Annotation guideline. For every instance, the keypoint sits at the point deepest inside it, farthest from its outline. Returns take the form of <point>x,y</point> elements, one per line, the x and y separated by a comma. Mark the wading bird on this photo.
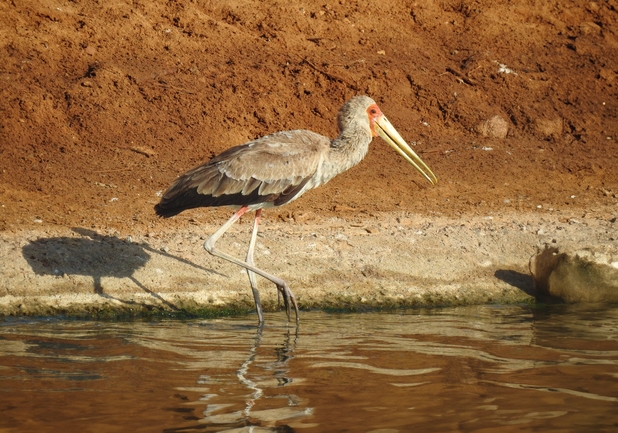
<point>276,169</point>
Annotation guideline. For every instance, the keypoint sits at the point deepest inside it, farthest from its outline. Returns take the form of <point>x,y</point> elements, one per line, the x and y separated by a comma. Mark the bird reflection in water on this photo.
<point>260,420</point>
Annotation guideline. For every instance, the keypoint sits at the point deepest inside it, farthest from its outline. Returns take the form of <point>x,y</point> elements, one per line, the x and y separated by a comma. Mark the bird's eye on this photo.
<point>373,111</point>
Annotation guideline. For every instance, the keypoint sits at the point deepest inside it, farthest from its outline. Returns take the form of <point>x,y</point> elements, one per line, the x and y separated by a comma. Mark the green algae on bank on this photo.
<point>96,307</point>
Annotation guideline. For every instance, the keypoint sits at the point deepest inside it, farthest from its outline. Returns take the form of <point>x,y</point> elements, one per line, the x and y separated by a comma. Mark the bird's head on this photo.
<point>364,111</point>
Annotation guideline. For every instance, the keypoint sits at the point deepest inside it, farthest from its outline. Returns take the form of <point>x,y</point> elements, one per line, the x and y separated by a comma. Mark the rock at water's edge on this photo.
<point>577,274</point>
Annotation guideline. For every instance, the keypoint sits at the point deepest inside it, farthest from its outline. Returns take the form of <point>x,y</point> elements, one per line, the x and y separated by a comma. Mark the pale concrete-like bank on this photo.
<point>387,261</point>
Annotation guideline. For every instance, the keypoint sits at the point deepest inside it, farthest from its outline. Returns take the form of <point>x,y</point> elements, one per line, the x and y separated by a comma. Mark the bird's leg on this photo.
<point>282,286</point>
<point>249,260</point>
<point>252,281</point>
<point>281,291</point>
<point>256,294</point>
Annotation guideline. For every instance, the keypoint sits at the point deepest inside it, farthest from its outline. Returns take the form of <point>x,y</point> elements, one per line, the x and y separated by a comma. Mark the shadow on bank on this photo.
<point>97,256</point>
<point>523,282</point>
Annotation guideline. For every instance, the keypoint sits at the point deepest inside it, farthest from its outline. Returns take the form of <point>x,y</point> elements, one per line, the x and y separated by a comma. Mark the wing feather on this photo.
<point>227,186</point>
<point>274,187</point>
<point>283,155</point>
<point>206,181</point>
<point>250,185</point>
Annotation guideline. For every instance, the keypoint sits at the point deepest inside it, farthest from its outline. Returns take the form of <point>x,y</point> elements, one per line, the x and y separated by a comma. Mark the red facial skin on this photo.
<point>374,113</point>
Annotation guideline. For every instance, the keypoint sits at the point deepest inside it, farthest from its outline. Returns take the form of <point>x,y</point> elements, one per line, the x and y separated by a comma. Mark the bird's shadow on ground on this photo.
<point>96,256</point>
<point>523,282</point>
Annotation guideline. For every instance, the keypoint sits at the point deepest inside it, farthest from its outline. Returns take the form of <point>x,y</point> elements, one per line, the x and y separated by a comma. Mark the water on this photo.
<point>470,369</point>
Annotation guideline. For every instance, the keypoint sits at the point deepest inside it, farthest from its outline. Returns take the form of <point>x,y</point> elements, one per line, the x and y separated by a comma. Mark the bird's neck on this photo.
<point>345,151</point>
<point>350,147</point>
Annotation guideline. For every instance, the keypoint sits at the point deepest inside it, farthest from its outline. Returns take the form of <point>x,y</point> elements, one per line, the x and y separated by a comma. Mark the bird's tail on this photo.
<point>166,212</point>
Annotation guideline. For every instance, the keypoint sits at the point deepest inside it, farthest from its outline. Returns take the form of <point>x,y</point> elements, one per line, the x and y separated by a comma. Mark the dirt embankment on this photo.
<point>513,106</point>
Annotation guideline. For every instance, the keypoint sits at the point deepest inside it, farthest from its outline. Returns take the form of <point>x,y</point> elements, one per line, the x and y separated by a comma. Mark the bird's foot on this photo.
<point>288,301</point>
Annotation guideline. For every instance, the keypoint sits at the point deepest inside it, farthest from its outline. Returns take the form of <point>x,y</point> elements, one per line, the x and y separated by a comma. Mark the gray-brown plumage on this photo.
<point>270,171</point>
<point>278,168</point>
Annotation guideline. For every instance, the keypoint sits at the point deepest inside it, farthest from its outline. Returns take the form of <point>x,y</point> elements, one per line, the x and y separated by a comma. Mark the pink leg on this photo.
<point>250,261</point>
<point>282,286</point>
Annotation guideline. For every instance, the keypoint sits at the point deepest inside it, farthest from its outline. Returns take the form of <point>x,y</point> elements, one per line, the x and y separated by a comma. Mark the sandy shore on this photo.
<point>389,260</point>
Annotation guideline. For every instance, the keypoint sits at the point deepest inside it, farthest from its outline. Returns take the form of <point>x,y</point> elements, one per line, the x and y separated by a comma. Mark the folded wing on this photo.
<point>269,171</point>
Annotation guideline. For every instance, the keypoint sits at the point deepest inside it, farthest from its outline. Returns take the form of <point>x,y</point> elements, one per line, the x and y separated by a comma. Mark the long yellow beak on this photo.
<point>389,134</point>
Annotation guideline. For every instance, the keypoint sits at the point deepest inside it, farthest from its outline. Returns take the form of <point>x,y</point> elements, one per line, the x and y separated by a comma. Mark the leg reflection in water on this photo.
<point>267,407</point>
<point>243,372</point>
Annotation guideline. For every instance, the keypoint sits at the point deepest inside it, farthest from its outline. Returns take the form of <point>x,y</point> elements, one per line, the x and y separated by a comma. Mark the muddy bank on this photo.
<point>387,260</point>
